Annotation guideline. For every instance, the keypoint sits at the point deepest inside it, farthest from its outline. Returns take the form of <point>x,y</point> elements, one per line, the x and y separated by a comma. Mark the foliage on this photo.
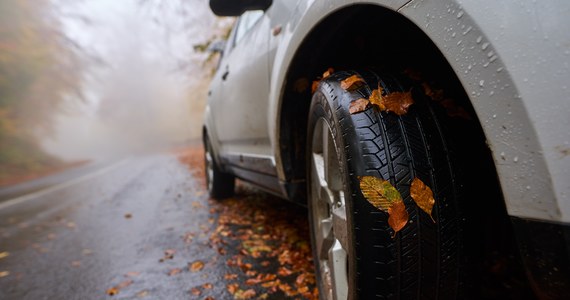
<point>38,68</point>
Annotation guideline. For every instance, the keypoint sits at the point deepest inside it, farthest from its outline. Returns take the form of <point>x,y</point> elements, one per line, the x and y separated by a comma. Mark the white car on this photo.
<point>468,97</point>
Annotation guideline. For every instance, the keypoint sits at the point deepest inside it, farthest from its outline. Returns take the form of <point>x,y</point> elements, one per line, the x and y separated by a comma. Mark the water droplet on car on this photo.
<point>494,116</point>
<point>482,83</point>
<point>479,39</point>
<point>460,14</point>
<point>528,187</point>
<point>484,46</point>
<point>516,159</point>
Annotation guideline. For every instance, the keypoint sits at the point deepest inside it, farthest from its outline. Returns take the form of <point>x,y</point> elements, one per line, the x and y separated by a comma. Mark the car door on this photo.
<point>241,121</point>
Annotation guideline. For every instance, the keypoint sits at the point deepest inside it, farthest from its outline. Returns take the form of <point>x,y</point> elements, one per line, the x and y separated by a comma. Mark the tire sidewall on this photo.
<point>322,108</point>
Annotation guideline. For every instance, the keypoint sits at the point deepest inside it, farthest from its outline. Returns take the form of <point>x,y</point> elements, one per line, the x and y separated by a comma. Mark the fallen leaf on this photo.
<point>132,274</point>
<point>75,263</point>
<point>230,276</point>
<point>4,273</point>
<point>112,291</point>
<point>196,266</point>
<point>209,298</point>
<point>423,196</point>
<point>241,294</point>
<point>352,83</point>
<point>232,288</point>
<point>168,254</point>
<point>328,73</point>
<point>376,99</point>
<point>174,271</point>
<point>70,225</point>
<point>142,294</point>
<point>195,291</point>
<point>379,192</point>
<point>314,86</point>
<point>87,252</point>
<point>128,216</point>
<point>51,236</point>
<point>398,216</point>
<point>207,286</point>
<point>398,102</point>
<point>4,254</point>
<point>124,284</point>
<point>385,197</point>
<point>358,105</point>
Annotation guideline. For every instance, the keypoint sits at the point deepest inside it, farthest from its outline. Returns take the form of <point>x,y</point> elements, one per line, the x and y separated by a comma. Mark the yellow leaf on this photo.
<point>4,254</point>
<point>4,273</point>
<point>398,216</point>
<point>196,266</point>
<point>379,192</point>
<point>352,83</point>
<point>423,196</point>
<point>357,106</point>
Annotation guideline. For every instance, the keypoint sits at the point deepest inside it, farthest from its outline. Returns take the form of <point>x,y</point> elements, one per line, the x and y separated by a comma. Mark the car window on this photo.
<point>246,22</point>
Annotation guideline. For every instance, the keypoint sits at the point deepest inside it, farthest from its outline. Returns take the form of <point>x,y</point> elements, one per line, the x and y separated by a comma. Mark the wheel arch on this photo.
<point>310,60</point>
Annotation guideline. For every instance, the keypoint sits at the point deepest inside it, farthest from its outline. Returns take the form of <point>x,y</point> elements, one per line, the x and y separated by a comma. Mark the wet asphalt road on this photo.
<point>111,228</point>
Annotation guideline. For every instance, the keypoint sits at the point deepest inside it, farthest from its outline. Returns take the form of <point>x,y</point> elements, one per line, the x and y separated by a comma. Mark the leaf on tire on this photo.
<point>423,196</point>
<point>358,105</point>
<point>352,83</point>
<point>385,197</point>
<point>376,99</point>
<point>398,216</point>
<point>398,102</point>
<point>315,84</point>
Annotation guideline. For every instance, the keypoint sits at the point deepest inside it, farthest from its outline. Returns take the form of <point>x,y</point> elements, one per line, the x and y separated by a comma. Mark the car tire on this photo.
<point>220,184</point>
<point>356,253</point>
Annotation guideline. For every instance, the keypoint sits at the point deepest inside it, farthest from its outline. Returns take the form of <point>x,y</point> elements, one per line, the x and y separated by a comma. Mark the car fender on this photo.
<point>528,138</point>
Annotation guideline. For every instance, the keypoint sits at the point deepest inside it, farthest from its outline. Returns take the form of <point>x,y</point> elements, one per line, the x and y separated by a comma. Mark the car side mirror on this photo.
<point>217,46</point>
<point>234,8</point>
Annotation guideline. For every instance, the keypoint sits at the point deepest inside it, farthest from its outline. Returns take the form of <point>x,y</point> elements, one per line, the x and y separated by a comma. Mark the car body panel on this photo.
<point>512,59</point>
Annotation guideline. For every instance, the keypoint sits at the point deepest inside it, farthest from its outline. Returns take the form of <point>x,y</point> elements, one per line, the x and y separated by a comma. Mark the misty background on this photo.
<point>88,80</point>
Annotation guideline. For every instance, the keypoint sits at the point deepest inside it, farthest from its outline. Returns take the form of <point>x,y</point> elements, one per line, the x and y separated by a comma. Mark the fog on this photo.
<point>143,87</point>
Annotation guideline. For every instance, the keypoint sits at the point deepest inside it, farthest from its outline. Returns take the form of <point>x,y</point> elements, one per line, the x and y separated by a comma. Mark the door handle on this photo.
<point>225,75</point>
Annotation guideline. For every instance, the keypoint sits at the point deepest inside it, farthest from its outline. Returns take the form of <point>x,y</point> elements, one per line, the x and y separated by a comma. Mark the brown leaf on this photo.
<point>423,196</point>
<point>4,254</point>
<point>379,192</point>
<point>142,294</point>
<point>112,291</point>
<point>398,216</point>
<point>376,99</point>
<point>128,216</point>
<point>207,286</point>
<point>328,73</point>
<point>232,288</point>
<point>132,274</point>
<point>76,263</point>
<point>4,273</point>
<point>174,271</point>
<point>230,276</point>
<point>195,291</point>
<point>196,266</point>
<point>314,86</point>
<point>124,284</point>
<point>398,102</point>
<point>352,83</point>
<point>209,298</point>
<point>358,105</point>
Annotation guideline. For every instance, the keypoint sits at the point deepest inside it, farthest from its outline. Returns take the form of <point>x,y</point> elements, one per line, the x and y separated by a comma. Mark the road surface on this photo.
<point>144,227</point>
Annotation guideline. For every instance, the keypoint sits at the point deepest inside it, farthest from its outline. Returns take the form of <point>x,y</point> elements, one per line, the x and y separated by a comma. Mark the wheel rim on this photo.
<point>209,168</point>
<point>330,227</point>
